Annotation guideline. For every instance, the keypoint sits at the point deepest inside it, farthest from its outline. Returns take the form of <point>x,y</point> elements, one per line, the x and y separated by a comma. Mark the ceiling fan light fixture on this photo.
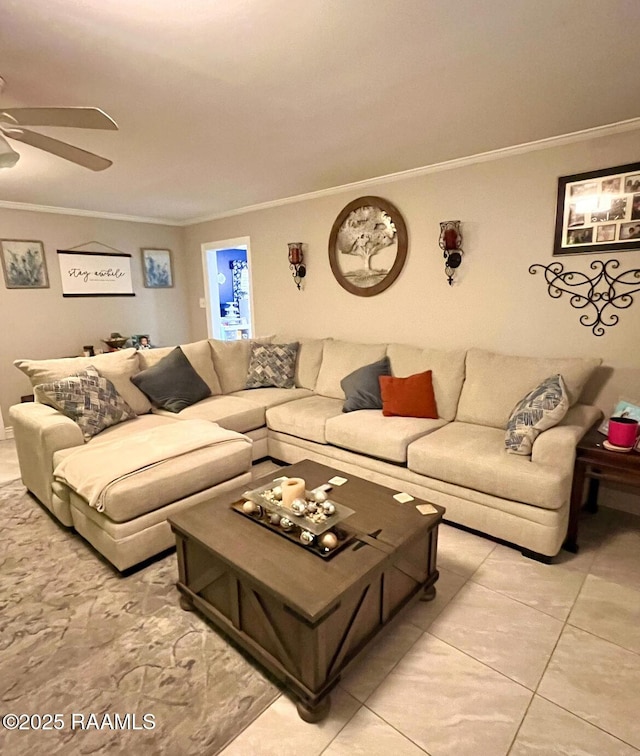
<point>8,156</point>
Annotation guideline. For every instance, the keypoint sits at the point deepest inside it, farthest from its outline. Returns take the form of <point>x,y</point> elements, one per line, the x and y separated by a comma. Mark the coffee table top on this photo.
<point>307,583</point>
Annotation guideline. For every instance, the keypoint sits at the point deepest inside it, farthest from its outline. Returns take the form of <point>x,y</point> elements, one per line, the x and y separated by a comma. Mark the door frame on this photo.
<point>214,246</point>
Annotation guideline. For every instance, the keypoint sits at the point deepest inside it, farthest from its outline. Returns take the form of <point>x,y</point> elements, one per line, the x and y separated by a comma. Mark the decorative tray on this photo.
<point>315,528</point>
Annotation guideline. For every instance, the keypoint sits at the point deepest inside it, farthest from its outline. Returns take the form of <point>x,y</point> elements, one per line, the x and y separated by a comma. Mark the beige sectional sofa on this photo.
<point>458,460</point>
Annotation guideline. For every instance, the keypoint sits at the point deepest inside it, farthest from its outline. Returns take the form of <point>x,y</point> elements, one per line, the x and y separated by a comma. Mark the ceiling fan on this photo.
<point>13,121</point>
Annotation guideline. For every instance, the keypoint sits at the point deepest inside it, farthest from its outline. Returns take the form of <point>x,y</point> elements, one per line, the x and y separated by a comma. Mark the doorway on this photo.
<point>228,297</point>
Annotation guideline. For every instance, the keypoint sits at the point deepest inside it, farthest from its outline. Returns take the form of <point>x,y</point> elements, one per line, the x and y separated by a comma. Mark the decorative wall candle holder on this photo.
<point>451,244</point>
<point>296,262</point>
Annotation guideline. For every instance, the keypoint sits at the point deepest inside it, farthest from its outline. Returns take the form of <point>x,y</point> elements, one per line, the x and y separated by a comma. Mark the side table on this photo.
<point>595,463</point>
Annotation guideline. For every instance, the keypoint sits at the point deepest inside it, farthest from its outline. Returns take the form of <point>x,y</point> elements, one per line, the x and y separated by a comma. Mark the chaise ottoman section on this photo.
<point>122,510</point>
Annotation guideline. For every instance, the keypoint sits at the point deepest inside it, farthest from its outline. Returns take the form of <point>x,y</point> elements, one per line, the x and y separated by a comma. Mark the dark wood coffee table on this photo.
<point>303,617</point>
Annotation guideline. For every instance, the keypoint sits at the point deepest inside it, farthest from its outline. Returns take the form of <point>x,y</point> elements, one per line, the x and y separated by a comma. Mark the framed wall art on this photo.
<point>598,211</point>
<point>156,265</point>
<point>141,341</point>
<point>95,274</point>
<point>24,264</point>
<point>367,246</point>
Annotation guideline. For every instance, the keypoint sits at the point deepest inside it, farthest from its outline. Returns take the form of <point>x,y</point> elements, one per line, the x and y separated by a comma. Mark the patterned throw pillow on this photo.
<point>88,399</point>
<point>272,365</point>
<point>540,409</point>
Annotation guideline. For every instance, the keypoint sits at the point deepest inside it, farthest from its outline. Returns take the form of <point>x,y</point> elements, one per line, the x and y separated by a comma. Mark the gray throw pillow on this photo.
<point>272,365</point>
<point>539,410</point>
<point>88,399</point>
<point>172,383</point>
<point>362,387</point>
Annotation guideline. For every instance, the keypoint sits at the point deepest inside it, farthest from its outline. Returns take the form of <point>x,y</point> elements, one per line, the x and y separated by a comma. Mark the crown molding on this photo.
<point>447,165</point>
<point>86,213</point>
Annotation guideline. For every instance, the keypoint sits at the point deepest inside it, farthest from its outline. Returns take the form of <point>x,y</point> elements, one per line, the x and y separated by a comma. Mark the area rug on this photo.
<point>77,639</point>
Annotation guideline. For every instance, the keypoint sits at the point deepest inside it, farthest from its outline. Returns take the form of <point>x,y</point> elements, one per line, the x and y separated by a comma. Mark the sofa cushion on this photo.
<point>369,432</point>
<point>339,358</point>
<point>447,372</point>
<point>495,383</point>
<point>270,397</point>
<point>88,399</point>
<point>308,360</point>
<point>305,418</point>
<point>117,367</point>
<point>197,352</point>
<point>272,365</point>
<point>362,387</point>
<point>473,456</point>
<point>229,412</point>
<point>172,383</point>
<point>231,361</point>
<point>409,397</point>
<point>540,409</point>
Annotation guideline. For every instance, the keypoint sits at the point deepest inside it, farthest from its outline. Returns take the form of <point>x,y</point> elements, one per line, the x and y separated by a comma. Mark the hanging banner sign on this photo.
<point>95,274</point>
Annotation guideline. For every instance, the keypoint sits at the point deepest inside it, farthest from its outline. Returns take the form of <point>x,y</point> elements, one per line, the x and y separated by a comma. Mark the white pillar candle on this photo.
<point>292,488</point>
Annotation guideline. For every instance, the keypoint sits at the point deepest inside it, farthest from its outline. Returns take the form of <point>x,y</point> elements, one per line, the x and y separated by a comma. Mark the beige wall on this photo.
<point>40,323</point>
<point>507,207</point>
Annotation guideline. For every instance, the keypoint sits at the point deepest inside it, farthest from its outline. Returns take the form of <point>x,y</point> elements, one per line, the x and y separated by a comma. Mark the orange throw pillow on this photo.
<point>408,397</point>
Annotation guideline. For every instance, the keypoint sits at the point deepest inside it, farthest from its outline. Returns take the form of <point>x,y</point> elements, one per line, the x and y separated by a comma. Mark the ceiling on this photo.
<point>224,104</point>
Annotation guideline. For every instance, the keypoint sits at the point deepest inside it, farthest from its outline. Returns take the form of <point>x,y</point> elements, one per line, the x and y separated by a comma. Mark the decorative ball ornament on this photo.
<point>250,507</point>
<point>286,523</point>
<point>328,508</point>
<point>328,541</point>
<point>320,496</point>
<point>274,518</point>
<point>277,492</point>
<point>299,506</point>
<point>306,537</point>
<point>312,507</point>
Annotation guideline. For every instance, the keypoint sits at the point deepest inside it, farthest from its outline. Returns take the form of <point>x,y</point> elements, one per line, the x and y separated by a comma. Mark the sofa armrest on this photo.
<point>40,431</point>
<point>557,446</point>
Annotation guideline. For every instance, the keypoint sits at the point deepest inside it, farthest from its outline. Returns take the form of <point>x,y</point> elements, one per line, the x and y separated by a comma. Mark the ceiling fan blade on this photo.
<point>56,147</point>
<point>79,118</point>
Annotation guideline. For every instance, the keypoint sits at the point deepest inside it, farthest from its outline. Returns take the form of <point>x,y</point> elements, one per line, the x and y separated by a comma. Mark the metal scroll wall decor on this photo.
<point>600,294</point>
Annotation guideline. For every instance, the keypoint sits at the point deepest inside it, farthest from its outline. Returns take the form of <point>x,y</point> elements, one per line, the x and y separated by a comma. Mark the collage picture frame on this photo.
<point>598,211</point>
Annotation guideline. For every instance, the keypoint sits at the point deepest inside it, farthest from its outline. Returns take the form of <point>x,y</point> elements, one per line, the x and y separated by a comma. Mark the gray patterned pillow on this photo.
<point>272,365</point>
<point>540,409</point>
<point>88,399</point>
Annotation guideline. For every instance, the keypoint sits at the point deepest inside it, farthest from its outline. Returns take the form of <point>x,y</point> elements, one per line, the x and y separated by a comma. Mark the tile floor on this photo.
<point>512,657</point>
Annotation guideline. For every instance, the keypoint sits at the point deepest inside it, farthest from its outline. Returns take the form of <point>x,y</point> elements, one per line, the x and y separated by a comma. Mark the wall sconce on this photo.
<point>451,244</point>
<point>296,262</point>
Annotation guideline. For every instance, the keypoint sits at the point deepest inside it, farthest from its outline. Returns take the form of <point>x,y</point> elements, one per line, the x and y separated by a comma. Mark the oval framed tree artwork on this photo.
<point>368,246</point>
